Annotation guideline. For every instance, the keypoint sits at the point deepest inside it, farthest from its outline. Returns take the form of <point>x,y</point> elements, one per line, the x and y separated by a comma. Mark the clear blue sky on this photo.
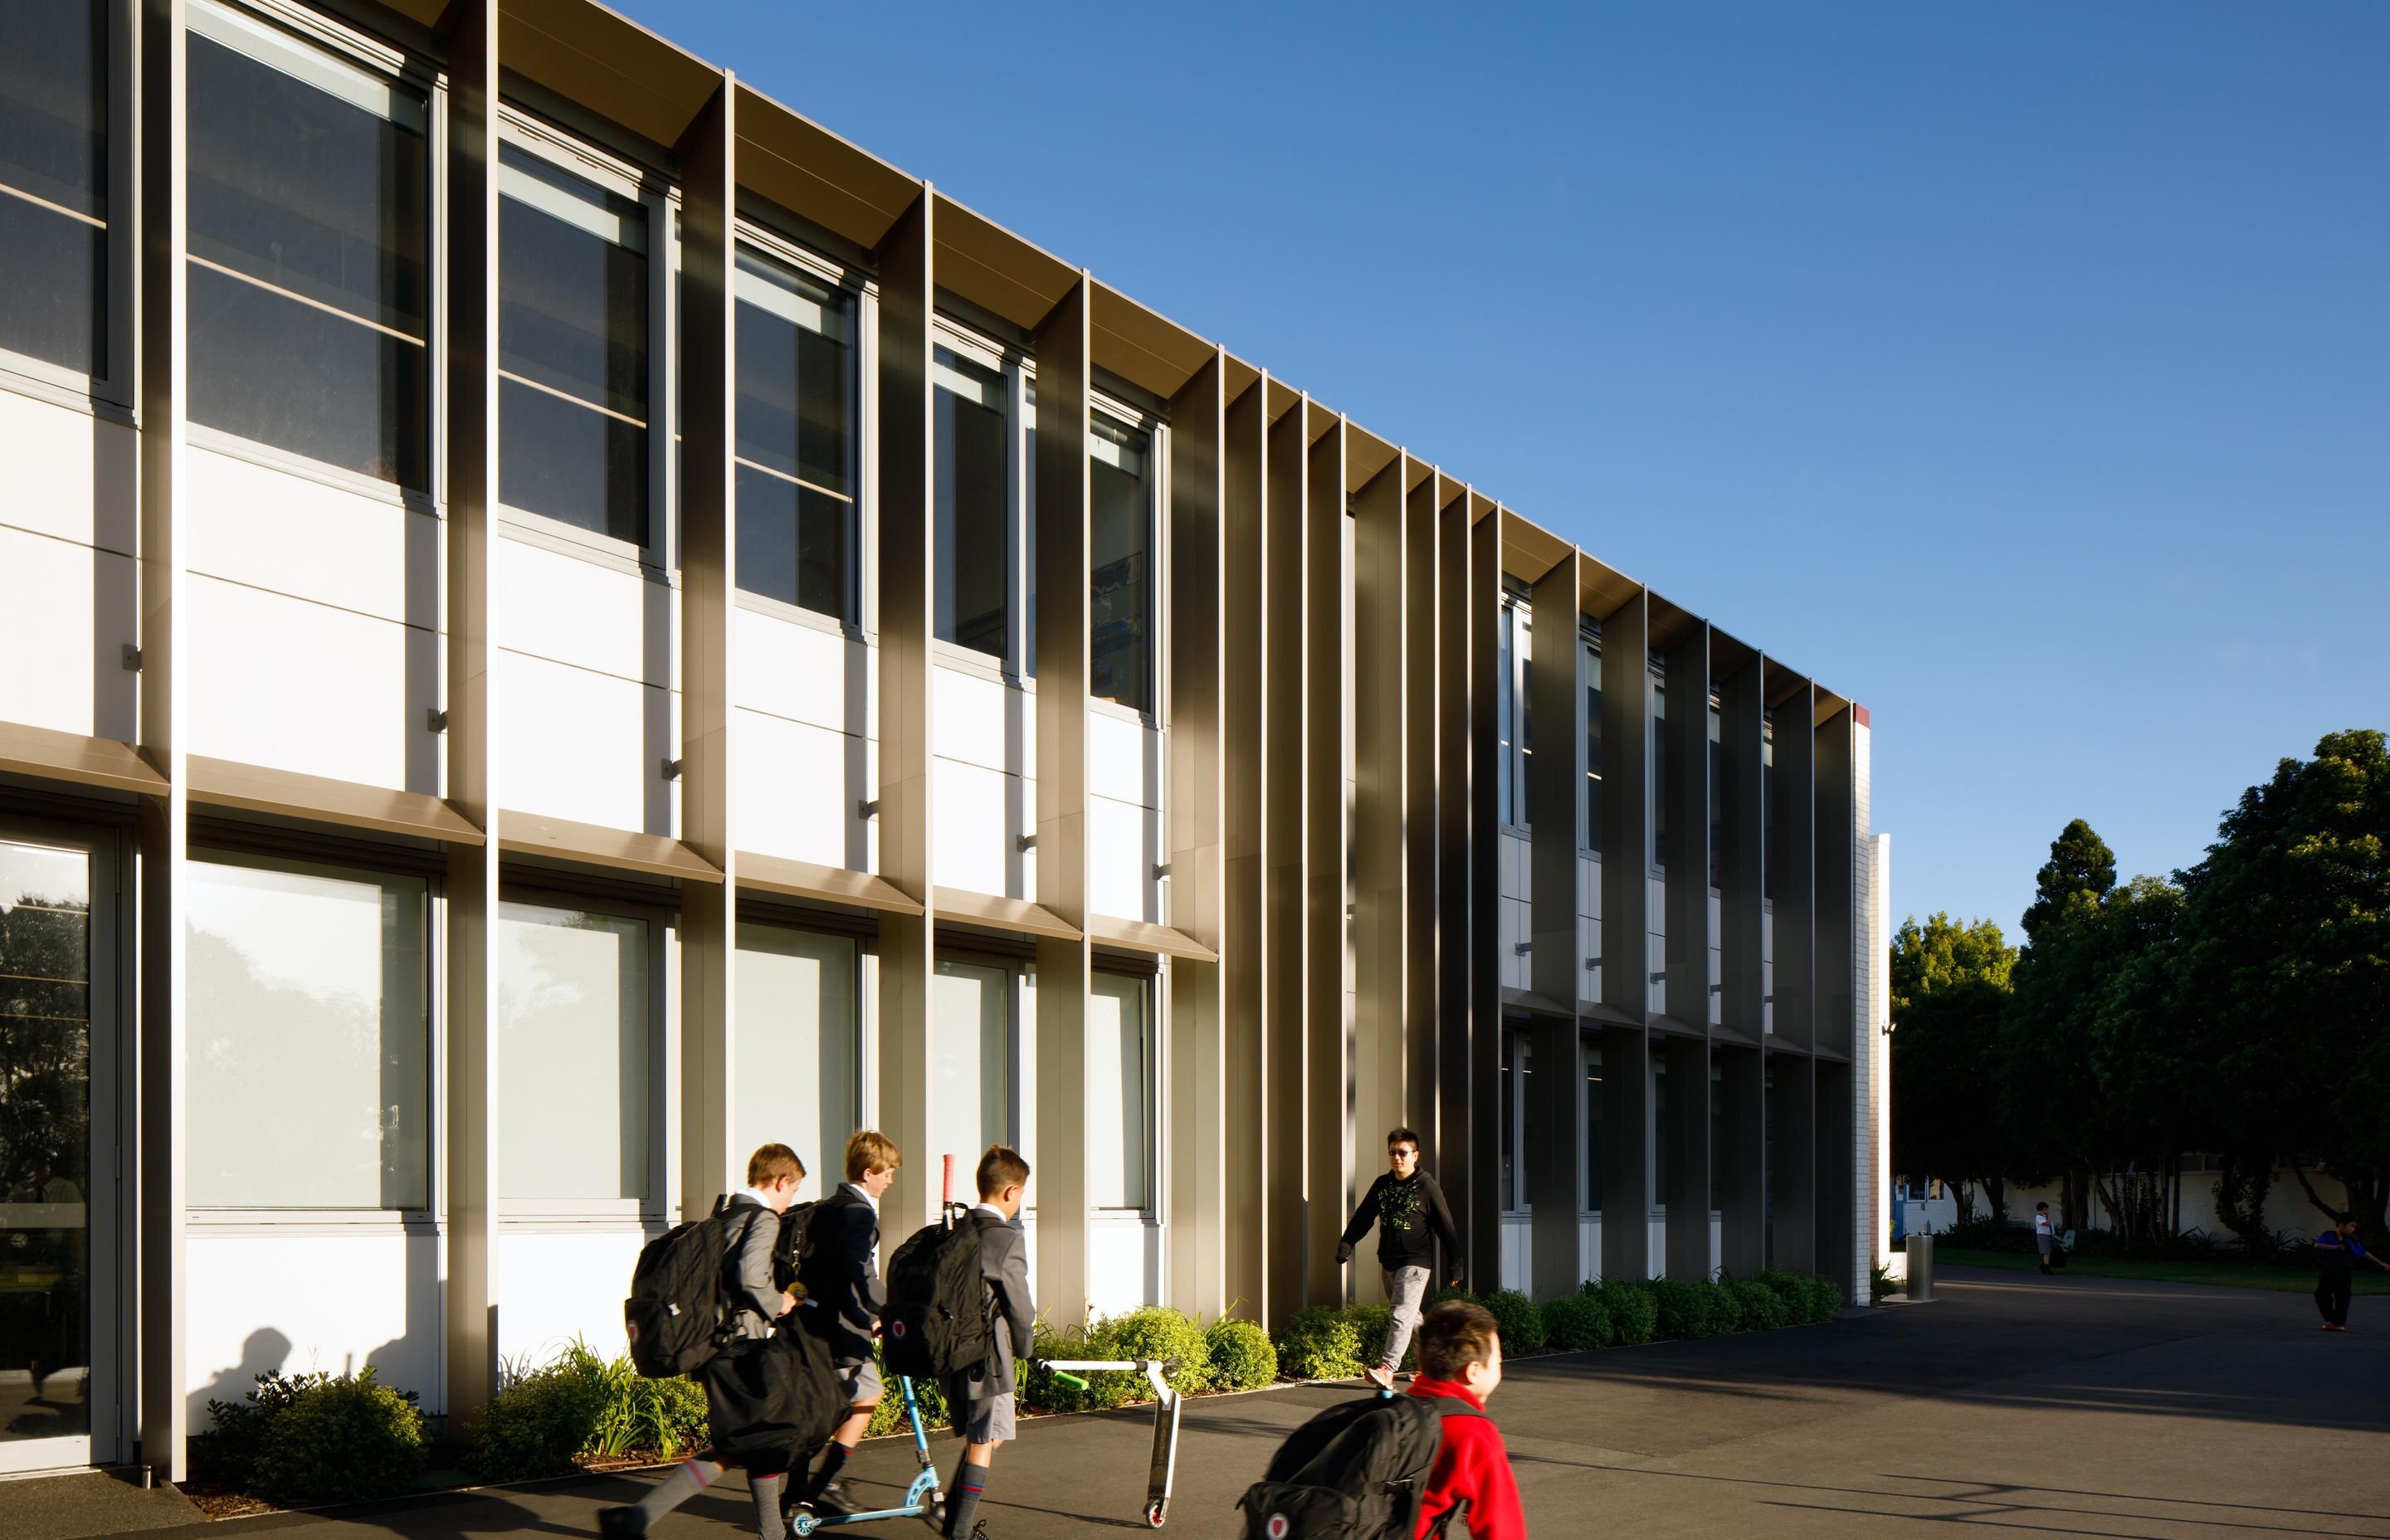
<point>2023,372</point>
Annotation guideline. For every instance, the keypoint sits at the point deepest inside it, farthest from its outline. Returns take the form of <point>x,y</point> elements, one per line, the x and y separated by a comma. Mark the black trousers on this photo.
<point>2331,1295</point>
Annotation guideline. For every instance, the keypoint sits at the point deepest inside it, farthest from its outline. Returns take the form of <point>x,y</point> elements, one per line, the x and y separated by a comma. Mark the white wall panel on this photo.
<point>69,474</point>
<point>1123,759</point>
<point>554,1286</point>
<point>582,745</point>
<point>299,686</point>
<point>797,786</point>
<point>800,671</point>
<point>974,720</point>
<point>1123,1257</point>
<point>269,529</point>
<point>972,829</point>
<point>287,1303</point>
<point>67,612</point>
<point>1123,844</point>
<point>568,610</point>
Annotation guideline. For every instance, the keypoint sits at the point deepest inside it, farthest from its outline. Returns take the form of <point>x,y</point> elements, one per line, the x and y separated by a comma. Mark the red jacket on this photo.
<point>1471,1466</point>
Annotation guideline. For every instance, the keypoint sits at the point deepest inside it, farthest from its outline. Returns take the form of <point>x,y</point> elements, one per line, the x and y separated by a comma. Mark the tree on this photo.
<point>2150,1083</point>
<point>1950,983</point>
<point>2289,959</point>
<point>2048,1089</point>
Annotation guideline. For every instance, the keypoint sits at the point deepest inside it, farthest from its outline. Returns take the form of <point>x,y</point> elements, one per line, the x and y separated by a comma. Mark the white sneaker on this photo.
<point>1382,1377</point>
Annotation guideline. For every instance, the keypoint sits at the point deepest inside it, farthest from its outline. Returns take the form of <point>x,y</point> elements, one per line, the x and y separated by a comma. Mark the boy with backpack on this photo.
<point>1390,1466</point>
<point>750,1230</point>
<point>982,1396</point>
<point>841,1279</point>
<point>1408,1209</point>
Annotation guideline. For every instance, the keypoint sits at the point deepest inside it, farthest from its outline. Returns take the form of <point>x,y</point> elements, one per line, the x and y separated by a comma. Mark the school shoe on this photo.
<point>832,1501</point>
<point>621,1523</point>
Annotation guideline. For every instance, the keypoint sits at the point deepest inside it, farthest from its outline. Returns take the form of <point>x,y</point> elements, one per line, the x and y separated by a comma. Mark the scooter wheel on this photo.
<point>1153,1514</point>
<point>802,1522</point>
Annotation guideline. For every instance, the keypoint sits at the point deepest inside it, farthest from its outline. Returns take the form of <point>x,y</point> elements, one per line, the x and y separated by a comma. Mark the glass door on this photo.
<point>58,1246</point>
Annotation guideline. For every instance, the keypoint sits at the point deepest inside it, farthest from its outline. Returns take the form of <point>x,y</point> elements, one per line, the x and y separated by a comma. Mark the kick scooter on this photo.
<point>919,1497</point>
<point>1164,1463</point>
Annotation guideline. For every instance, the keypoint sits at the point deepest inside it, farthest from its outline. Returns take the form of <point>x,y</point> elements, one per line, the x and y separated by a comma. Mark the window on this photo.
<point>573,1054</point>
<point>1593,1125</point>
<point>572,348</point>
<point>1768,806</point>
<point>797,529</point>
<point>1518,1072</point>
<point>1120,565</point>
<point>309,296</point>
<point>1589,663</point>
<point>1120,1065</point>
<point>973,527</point>
<point>1659,1131</point>
<point>1717,1132</point>
<point>54,183</point>
<point>1717,800</point>
<point>800,1049</point>
<point>1514,725</point>
<point>971,1075</point>
<point>1659,772</point>
<point>309,1037</point>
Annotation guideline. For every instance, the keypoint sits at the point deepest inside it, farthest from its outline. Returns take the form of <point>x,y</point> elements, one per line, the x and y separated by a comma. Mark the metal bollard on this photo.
<point>1920,1268</point>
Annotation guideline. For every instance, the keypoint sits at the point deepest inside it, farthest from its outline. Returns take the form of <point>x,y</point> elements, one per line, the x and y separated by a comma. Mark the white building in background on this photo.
<point>565,622</point>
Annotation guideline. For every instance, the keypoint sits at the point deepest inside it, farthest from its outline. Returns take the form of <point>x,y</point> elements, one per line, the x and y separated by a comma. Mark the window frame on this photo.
<point>115,393</point>
<point>311,33</point>
<point>1152,986</point>
<point>1588,680</point>
<point>663,1045</point>
<point>1018,372</point>
<point>658,557</point>
<point>862,292</point>
<point>1518,622</point>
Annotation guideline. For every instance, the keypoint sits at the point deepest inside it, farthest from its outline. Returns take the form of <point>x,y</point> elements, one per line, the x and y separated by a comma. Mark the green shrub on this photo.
<point>341,1441</point>
<point>889,1418</point>
<point>1763,1309</point>
<point>1104,1391</point>
<point>1449,1291</point>
<point>1242,1358</point>
<point>1319,1343</point>
<point>578,1407</point>
<point>1576,1322</point>
<point>1880,1284</point>
<point>1693,1307</point>
<point>227,1455</point>
<point>1521,1323</point>
<point>1158,1332</point>
<point>1634,1314</point>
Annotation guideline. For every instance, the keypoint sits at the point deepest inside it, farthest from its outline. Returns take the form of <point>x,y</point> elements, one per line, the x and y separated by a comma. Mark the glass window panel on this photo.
<point>796,513</point>
<point>1659,774</point>
<point>54,181</point>
<point>1659,1132</point>
<point>573,1054</point>
<point>309,1070</point>
<point>308,290</point>
<point>1593,747</point>
<point>572,348</point>
<point>973,578</point>
<point>800,1049</point>
<point>1120,565</point>
<point>1119,1072</point>
<point>1717,1133</point>
<point>1767,808</point>
<point>1505,666</point>
<point>1593,1127</point>
<point>971,1060</point>
<point>45,1178</point>
<point>1717,802</point>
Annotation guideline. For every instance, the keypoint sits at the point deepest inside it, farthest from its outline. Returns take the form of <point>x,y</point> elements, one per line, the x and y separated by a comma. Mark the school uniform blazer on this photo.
<point>1004,1263</point>
<point>750,1230</point>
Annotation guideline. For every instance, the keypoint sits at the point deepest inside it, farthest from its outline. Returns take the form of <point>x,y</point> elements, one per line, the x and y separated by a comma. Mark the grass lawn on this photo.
<point>2227,1275</point>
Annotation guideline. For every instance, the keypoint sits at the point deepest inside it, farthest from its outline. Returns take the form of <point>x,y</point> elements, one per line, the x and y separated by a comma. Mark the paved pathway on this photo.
<point>2078,1406</point>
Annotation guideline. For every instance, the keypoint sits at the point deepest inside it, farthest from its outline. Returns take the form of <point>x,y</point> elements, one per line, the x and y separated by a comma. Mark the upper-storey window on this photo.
<point>1590,667</point>
<point>797,527</point>
<point>973,559</point>
<point>1659,770</point>
<point>310,245</point>
<point>1510,696</point>
<point>54,183</point>
<point>1717,798</point>
<point>1119,562</point>
<point>1768,805</point>
<point>574,304</point>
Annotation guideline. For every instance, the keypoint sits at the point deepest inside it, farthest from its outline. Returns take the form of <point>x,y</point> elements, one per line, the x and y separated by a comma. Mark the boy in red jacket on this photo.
<point>1461,1357</point>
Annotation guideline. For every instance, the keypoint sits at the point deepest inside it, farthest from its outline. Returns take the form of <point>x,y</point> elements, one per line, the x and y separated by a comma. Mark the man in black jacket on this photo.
<point>1408,1209</point>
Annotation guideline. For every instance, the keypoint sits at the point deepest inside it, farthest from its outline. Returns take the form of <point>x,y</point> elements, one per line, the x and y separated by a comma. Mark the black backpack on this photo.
<point>680,1300</point>
<point>1356,1471</point>
<point>934,1326</point>
<point>795,1248</point>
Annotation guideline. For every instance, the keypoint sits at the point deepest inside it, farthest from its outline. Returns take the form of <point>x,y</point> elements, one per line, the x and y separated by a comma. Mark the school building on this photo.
<point>564,620</point>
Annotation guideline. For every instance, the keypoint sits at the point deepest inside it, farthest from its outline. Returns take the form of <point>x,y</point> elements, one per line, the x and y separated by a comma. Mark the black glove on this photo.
<point>1343,1253</point>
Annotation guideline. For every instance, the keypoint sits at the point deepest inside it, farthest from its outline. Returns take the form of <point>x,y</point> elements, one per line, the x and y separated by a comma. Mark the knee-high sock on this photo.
<point>765,1490</point>
<point>962,1503</point>
<point>687,1479</point>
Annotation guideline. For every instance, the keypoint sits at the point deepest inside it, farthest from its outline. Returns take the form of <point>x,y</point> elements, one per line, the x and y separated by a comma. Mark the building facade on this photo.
<point>566,621</point>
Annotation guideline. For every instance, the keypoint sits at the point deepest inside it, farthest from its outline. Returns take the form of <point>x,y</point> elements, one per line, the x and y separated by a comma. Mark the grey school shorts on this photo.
<point>985,1419</point>
<point>862,1384</point>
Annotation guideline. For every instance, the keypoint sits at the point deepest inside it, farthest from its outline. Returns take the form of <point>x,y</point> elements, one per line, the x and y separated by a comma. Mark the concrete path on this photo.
<point>2078,1406</point>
